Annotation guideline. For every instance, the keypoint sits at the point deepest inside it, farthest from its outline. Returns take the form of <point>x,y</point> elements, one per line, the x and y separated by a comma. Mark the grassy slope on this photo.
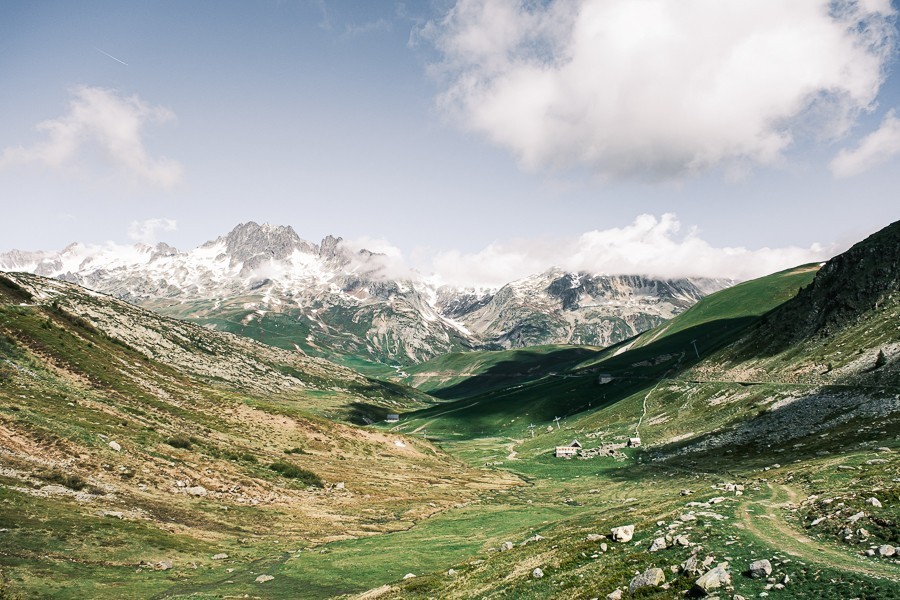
<point>463,374</point>
<point>81,519</point>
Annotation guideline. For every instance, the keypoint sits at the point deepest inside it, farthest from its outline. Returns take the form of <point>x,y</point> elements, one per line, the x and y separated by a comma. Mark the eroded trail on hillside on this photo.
<point>761,516</point>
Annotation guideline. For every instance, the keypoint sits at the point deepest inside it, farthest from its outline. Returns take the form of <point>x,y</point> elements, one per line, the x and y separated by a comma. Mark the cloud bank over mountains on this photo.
<point>660,90</point>
<point>653,246</point>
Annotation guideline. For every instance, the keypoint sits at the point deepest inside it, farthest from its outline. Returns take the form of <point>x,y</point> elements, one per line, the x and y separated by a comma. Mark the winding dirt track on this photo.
<point>761,516</point>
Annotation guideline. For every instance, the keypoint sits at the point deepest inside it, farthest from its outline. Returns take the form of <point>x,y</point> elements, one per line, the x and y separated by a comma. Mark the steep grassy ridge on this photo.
<point>463,374</point>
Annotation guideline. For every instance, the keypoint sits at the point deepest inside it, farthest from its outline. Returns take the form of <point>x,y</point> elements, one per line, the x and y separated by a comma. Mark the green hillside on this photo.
<point>736,305</point>
<point>463,374</point>
<point>130,443</point>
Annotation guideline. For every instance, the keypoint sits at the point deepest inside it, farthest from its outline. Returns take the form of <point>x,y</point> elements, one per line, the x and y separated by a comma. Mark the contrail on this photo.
<point>110,55</point>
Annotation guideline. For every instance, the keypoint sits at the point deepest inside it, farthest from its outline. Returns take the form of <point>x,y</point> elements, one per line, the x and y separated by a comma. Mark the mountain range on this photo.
<point>327,300</point>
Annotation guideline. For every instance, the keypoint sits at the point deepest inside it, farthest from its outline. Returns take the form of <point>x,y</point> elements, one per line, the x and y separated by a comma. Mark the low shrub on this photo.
<point>69,480</point>
<point>292,471</point>
<point>180,441</point>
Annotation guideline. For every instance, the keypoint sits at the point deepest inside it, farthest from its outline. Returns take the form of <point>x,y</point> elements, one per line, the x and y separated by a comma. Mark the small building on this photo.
<point>634,442</point>
<point>568,451</point>
<point>603,378</point>
<point>392,418</point>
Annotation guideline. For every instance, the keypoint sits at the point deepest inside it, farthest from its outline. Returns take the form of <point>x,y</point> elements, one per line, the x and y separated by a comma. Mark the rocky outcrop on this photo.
<point>760,569</point>
<point>712,580</point>
<point>623,533</point>
<point>652,577</point>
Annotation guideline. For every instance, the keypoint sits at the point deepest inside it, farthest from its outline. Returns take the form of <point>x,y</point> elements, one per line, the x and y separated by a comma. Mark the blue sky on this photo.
<point>454,133</point>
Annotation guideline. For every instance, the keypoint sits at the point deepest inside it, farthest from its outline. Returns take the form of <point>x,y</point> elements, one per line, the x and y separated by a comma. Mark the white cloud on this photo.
<point>876,148</point>
<point>648,246</point>
<point>378,258</point>
<point>659,89</point>
<point>106,120</point>
<point>146,231</point>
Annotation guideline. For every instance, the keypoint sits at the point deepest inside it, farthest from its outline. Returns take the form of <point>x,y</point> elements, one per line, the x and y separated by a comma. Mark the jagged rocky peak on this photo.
<point>163,249</point>
<point>15,260</point>
<point>251,240</point>
<point>567,287</point>
<point>333,252</point>
<point>330,247</point>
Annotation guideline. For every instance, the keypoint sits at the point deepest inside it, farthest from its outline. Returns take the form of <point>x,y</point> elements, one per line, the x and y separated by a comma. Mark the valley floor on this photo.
<point>561,501</point>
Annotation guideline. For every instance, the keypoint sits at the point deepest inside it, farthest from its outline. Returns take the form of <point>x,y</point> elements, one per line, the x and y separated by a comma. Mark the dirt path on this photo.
<point>637,429</point>
<point>512,449</point>
<point>761,516</point>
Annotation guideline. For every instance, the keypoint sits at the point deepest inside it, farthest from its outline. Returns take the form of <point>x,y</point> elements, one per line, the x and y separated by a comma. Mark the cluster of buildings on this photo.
<point>576,449</point>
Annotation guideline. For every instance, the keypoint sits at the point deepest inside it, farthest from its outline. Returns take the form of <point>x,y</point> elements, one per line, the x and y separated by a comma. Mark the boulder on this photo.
<point>712,580</point>
<point>874,502</point>
<point>451,572</point>
<point>614,595</point>
<point>537,573</point>
<point>220,556</point>
<point>506,546</point>
<point>856,517</point>
<point>652,577</point>
<point>264,578</point>
<point>886,550</point>
<point>760,568</point>
<point>115,446</point>
<point>594,537</point>
<point>623,533</point>
<point>658,544</point>
<point>198,490</point>
<point>691,566</point>
<point>682,540</point>
<point>163,565</point>
<point>604,547</point>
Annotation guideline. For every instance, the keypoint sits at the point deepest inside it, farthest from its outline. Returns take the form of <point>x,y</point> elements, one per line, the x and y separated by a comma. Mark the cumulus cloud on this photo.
<point>107,120</point>
<point>876,148</point>
<point>659,89</point>
<point>147,231</point>
<point>649,246</point>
